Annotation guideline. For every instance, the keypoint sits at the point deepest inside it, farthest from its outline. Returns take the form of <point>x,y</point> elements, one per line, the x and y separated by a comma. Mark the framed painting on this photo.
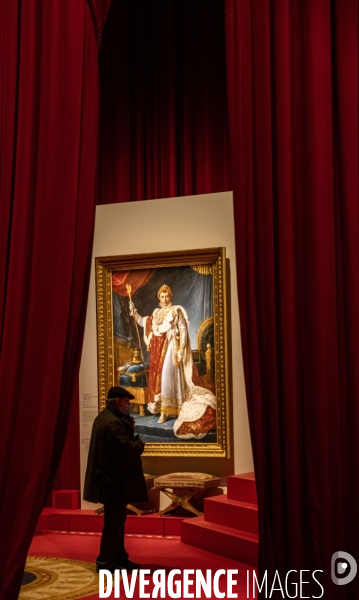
<point>162,333</point>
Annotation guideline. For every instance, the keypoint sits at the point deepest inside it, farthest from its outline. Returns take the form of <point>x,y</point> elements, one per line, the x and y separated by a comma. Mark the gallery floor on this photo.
<point>63,564</point>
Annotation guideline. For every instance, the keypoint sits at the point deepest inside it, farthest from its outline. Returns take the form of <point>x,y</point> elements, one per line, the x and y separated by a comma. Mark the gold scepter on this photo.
<point>129,288</point>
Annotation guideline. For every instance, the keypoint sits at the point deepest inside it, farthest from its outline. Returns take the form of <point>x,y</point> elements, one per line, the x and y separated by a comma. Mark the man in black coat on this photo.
<point>114,475</point>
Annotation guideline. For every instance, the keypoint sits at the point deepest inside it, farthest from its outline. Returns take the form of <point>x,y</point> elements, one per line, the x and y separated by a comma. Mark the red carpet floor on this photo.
<point>153,552</point>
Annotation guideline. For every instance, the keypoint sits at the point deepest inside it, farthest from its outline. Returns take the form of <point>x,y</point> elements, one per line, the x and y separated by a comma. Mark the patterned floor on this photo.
<point>59,579</point>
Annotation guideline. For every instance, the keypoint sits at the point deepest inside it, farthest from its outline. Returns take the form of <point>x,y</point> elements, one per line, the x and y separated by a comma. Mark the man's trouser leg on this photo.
<point>112,547</point>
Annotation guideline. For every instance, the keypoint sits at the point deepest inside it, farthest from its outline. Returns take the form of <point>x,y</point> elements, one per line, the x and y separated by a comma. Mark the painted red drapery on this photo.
<point>136,279</point>
<point>292,68</point>
<point>49,130</point>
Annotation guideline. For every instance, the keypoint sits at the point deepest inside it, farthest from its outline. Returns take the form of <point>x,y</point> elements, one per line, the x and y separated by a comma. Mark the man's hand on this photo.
<point>132,308</point>
<point>140,442</point>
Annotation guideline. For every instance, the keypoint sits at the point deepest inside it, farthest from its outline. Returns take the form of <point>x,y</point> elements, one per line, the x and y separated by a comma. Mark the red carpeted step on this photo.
<point>226,541</point>
<point>43,522</point>
<point>242,487</point>
<point>231,513</point>
<point>86,520</point>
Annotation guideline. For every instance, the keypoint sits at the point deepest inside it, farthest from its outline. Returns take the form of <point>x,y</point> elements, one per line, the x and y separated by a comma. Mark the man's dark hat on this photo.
<point>119,392</point>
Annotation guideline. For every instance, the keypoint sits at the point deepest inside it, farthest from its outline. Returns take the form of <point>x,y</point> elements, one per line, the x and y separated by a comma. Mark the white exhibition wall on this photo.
<point>183,223</point>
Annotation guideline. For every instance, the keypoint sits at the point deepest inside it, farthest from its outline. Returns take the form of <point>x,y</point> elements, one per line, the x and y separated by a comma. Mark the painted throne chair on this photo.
<point>132,376</point>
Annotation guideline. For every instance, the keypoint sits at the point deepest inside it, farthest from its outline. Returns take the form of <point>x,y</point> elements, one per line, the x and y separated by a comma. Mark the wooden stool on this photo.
<point>183,487</point>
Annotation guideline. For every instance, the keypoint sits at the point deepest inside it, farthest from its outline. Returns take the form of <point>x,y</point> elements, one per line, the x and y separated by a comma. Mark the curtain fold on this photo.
<point>292,71</point>
<point>292,88</point>
<point>163,128</point>
<point>49,133</point>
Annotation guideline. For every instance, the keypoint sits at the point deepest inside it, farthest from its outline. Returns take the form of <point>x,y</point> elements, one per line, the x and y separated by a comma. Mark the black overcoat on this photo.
<point>114,467</point>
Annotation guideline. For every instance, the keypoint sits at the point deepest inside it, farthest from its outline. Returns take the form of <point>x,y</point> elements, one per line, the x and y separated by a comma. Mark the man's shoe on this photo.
<point>110,568</point>
<point>129,565</point>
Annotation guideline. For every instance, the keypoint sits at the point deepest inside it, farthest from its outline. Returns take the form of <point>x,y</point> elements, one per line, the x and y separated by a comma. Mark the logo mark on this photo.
<point>344,568</point>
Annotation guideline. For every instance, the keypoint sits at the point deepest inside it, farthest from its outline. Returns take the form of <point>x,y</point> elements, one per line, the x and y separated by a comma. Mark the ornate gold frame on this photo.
<point>210,260</point>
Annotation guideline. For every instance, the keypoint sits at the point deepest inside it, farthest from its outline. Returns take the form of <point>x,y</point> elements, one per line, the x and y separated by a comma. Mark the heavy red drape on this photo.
<point>163,128</point>
<point>48,147</point>
<point>293,115</point>
<point>292,69</point>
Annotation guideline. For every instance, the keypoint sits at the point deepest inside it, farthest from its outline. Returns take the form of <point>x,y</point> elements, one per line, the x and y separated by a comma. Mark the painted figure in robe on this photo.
<point>174,384</point>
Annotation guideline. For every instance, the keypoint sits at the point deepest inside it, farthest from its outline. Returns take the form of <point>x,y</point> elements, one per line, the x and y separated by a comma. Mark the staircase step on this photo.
<point>225,541</point>
<point>242,487</point>
<point>86,520</point>
<point>241,516</point>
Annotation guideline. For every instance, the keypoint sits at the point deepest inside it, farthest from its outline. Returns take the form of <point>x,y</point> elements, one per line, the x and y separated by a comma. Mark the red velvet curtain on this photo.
<point>293,114</point>
<point>163,129</point>
<point>48,146</point>
<point>292,70</point>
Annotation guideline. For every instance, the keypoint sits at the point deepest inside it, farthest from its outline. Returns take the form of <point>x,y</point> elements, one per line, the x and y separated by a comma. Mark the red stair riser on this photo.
<point>242,489</point>
<point>222,512</point>
<point>88,521</point>
<point>212,540</point>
